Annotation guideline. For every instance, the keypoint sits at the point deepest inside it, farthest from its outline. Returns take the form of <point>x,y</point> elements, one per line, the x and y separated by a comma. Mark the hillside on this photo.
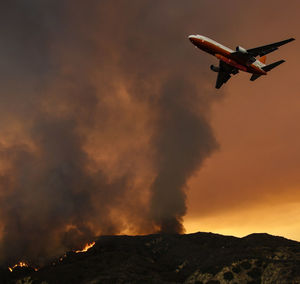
<point>194,258</point>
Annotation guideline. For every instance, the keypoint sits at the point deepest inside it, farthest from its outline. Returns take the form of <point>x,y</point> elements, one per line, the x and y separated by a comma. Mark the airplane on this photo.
<point>231,62</point>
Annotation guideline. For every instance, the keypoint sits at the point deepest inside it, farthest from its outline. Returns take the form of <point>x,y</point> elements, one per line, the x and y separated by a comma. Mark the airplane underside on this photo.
<point>230,61</point>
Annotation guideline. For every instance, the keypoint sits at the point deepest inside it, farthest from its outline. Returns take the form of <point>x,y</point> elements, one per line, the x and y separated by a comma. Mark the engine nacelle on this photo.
<point>241,50</point>
<point>214,68</point>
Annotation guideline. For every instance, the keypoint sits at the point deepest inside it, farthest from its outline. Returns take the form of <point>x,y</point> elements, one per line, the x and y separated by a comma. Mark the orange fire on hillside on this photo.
<point>86,248</point>
<point>24,264</point>
<point>20,264</point>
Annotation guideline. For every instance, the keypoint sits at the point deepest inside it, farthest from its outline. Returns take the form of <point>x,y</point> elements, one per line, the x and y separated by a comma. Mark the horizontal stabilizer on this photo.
<point>273,65</point>
<point>254,77</point>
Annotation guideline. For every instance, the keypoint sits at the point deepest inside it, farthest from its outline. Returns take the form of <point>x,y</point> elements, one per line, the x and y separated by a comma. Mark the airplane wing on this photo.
<point>224,73</point>
<point>265,49</point>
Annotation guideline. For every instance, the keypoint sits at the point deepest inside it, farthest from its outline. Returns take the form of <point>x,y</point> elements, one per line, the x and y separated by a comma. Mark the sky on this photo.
<point>110,123</point>
<point>252,183</point>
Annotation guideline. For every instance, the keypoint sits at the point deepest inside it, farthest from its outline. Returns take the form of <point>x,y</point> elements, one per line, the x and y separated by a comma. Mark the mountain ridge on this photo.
<point>205,258</point>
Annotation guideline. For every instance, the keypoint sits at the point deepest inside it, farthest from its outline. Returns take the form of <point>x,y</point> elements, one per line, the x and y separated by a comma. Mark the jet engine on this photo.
<point>241,50</point>
<point>214,68</point>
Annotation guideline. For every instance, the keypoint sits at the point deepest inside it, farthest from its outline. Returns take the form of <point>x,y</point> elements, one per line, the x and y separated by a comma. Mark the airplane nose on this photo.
<point>192,38</point>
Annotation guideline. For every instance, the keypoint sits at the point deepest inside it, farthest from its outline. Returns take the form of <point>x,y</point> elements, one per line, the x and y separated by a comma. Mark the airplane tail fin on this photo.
<point>273,65</point>
<point>266,68</point>
<point>263,59</point>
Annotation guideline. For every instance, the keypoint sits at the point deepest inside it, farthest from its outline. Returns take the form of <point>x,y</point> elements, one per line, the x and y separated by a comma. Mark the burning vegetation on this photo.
<point>86,247</point>
<point>20,264</point>
<point>23,264</point>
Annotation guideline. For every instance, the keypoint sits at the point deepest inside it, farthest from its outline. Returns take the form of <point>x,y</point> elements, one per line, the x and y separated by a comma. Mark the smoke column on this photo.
<point>183,140</point>
<point>103,114</point>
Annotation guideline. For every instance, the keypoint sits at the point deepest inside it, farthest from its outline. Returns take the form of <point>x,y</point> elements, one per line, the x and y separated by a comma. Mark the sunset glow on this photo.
<point>107,131</point>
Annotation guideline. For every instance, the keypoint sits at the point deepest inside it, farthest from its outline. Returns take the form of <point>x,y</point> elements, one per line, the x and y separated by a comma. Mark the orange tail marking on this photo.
<point>263,59</point>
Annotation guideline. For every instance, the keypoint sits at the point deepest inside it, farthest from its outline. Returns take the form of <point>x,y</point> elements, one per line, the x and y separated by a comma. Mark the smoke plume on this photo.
<point>182,141</point>
<point>103,114</point>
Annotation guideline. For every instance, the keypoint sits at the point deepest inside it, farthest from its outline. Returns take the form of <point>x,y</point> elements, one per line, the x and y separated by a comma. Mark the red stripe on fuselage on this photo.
<point>226,56</point>
<point>231,62</point>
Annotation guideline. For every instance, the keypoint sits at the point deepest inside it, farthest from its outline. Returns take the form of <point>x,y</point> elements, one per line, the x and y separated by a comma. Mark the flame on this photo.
<point>86,248</point>
<point>24,264</point>
<point>20,264</point>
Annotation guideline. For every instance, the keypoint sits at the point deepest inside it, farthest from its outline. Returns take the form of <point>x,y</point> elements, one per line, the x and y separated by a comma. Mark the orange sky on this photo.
<point>252,184</point>
<point>109,123</point>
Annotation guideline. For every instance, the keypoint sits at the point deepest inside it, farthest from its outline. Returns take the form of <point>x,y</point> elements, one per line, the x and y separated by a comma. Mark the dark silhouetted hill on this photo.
<point>194,258</point>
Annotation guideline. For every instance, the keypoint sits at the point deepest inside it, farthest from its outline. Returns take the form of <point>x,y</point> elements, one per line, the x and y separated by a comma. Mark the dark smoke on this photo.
<point>182,141</point>
<point>103,115</point>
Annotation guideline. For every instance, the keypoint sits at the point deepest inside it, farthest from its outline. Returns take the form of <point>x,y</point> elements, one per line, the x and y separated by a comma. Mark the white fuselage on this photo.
<point>227,55</point>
